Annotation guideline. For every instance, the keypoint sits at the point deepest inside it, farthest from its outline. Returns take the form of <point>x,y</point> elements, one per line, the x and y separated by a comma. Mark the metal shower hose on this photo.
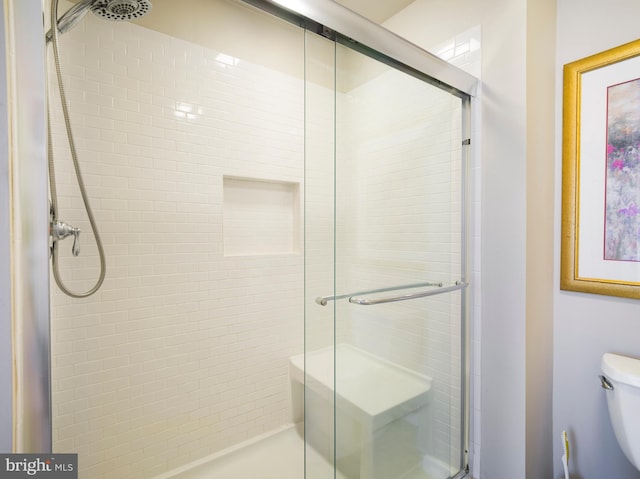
<point>74,156</point>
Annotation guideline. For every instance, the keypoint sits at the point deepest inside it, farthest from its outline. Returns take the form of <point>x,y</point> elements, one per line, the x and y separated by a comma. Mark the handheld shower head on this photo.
<point>116,10</point>
<point>72,17</point>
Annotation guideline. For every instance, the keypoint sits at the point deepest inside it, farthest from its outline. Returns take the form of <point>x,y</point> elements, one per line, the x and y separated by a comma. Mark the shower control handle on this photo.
<point>60,230</point>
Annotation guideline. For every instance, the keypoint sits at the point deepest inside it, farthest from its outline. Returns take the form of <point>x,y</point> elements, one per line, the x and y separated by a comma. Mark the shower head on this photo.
<point>116,10</point>
<point>121,9</point>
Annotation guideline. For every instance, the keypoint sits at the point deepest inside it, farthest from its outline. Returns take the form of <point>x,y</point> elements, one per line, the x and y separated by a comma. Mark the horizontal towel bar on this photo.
<point>406,297</point>
<point>322,300</point>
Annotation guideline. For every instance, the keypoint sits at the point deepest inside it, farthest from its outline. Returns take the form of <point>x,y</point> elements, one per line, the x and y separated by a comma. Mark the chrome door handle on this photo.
<point>406,297</point>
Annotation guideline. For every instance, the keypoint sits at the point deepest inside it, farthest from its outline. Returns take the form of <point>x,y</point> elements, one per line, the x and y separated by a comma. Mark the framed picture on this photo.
<point>601,174</point>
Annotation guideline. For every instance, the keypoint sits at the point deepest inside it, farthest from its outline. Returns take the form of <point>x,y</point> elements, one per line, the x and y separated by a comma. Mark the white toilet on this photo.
<point>622,381</point>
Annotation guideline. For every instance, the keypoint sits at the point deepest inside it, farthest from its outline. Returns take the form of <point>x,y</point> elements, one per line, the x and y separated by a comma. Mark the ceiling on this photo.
<point>378,11</point>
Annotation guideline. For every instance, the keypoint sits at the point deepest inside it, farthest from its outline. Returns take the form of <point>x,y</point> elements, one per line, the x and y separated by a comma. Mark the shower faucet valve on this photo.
<point>60,230</point>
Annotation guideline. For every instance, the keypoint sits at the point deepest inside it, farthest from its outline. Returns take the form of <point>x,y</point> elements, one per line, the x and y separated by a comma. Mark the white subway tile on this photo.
<point>179,338</point>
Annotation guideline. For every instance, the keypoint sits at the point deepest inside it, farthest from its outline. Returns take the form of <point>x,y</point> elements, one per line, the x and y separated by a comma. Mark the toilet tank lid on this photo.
<point>621,368</point>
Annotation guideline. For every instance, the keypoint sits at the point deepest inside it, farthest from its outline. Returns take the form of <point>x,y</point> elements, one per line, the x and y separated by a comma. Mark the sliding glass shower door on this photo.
<point>385,273</point>
<point>241,167</point>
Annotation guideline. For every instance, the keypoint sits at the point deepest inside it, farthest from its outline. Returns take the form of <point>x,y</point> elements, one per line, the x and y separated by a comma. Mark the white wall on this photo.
<point>541,29</point>
<point>586,326</point>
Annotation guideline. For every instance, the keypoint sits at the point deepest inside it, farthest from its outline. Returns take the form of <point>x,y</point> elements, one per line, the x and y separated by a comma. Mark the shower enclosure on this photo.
<point>281,193</point>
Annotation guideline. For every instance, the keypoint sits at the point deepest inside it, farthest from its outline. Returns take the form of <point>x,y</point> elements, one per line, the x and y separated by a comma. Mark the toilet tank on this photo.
<point>624,402</point>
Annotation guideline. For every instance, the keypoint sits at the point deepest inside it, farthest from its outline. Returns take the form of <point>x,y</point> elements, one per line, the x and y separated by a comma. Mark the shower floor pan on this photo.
<point>276,455</point>
<point>382,425</point>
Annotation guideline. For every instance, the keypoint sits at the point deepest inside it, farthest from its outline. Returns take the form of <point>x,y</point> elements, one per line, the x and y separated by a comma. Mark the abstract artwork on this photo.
<point>622,211</point>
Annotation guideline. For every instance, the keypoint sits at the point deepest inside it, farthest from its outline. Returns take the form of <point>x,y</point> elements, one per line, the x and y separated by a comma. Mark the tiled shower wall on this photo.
<point>183,351</point>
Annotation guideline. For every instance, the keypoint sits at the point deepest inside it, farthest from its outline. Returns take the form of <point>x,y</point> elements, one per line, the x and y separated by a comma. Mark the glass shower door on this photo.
<point>384,336</point>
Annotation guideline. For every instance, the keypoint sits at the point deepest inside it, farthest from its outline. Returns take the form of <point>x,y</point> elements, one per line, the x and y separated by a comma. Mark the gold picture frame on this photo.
<point>601,174</point>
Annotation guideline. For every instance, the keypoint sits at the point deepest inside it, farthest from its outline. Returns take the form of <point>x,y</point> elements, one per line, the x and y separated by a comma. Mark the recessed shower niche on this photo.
<point>260,216</point>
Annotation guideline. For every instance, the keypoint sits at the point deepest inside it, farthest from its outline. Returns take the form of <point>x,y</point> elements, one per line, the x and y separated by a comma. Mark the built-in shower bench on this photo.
<point>382,420</point>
